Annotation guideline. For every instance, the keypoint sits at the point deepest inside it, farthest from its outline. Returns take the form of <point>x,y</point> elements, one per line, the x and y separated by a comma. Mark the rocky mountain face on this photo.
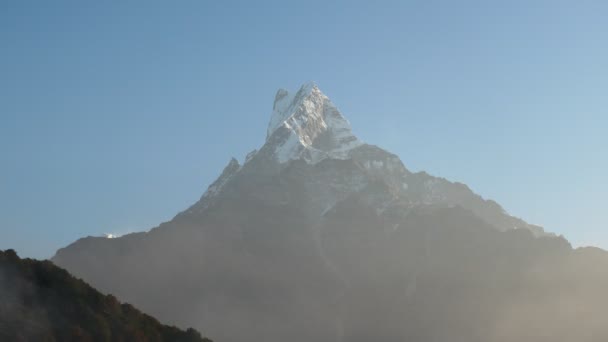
<point>319,236</point>
<point>307,132</point>
<point>41,302</point>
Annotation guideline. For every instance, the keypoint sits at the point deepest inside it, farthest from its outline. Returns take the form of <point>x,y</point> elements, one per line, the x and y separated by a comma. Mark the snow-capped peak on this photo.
<point>308,126</point>
<point>285,105</point>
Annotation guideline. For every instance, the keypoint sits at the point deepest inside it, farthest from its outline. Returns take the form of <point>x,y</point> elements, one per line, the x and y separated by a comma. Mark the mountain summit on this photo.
<point>307,125</point>
<point>318,236</point>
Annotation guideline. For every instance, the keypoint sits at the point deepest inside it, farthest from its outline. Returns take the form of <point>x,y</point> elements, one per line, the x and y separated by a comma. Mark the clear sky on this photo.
<point>115,115</point>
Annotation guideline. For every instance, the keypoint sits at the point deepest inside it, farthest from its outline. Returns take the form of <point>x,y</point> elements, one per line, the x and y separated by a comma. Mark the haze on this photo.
<point>114,117</point>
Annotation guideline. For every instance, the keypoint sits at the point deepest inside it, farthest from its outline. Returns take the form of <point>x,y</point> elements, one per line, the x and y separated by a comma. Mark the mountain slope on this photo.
<point>41,302</point>
<point>319,236</point>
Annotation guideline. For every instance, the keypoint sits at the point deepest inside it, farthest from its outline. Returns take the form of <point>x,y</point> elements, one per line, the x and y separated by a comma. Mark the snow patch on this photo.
<point>289,150</point>
<point>250,156</point>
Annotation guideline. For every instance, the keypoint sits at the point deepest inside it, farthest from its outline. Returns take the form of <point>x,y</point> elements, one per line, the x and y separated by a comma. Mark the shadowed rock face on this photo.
<point>321,237</point>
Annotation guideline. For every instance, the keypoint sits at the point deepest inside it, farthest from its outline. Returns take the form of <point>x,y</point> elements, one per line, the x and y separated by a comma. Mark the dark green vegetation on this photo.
<point>42,302</point>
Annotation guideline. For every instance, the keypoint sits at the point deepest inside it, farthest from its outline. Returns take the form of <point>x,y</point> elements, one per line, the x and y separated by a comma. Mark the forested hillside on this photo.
<point>42,302</point>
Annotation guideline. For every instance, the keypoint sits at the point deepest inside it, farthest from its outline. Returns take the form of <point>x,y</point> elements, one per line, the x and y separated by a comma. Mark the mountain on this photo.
<point>42,302</point>
<point>319,236</point>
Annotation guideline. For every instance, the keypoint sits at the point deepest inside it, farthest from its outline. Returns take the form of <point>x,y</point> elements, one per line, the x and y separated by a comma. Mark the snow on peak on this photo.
<point>285,104</point>
<point>313,128</point>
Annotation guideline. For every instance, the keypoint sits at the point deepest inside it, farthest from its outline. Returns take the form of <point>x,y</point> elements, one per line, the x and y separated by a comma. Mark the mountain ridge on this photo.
<point>348,246</point>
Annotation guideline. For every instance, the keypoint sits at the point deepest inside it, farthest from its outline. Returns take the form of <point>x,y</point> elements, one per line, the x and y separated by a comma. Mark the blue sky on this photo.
<point>116,115</point>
